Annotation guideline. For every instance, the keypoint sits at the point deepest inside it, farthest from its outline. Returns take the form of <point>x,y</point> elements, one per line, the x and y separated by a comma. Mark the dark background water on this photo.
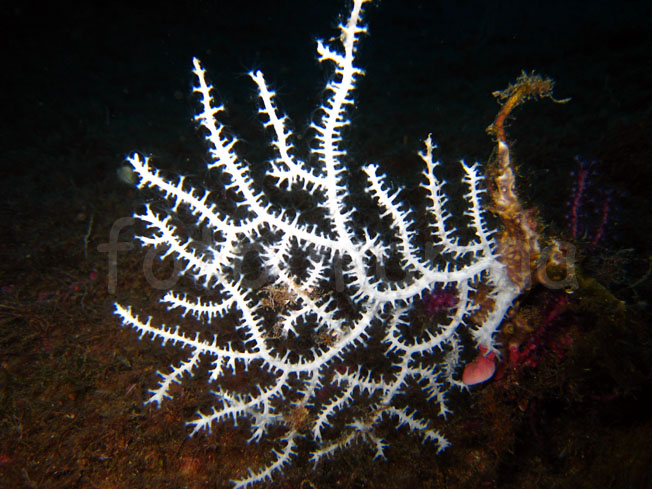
<point>85,84</point>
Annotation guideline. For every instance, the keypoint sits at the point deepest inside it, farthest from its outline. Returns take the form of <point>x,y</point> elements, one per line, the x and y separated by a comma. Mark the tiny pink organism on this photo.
<point>439,300</point>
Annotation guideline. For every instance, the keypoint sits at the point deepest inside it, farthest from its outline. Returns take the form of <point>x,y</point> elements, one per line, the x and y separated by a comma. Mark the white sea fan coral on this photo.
<point>322,331</point>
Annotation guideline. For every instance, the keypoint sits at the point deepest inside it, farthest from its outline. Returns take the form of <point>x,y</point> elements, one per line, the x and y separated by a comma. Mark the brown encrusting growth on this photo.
<point>526,87</point>
<point>518,241</point>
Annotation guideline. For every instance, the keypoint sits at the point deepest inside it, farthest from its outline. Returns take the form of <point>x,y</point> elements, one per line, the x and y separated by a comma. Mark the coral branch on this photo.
<point>305,301</point>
